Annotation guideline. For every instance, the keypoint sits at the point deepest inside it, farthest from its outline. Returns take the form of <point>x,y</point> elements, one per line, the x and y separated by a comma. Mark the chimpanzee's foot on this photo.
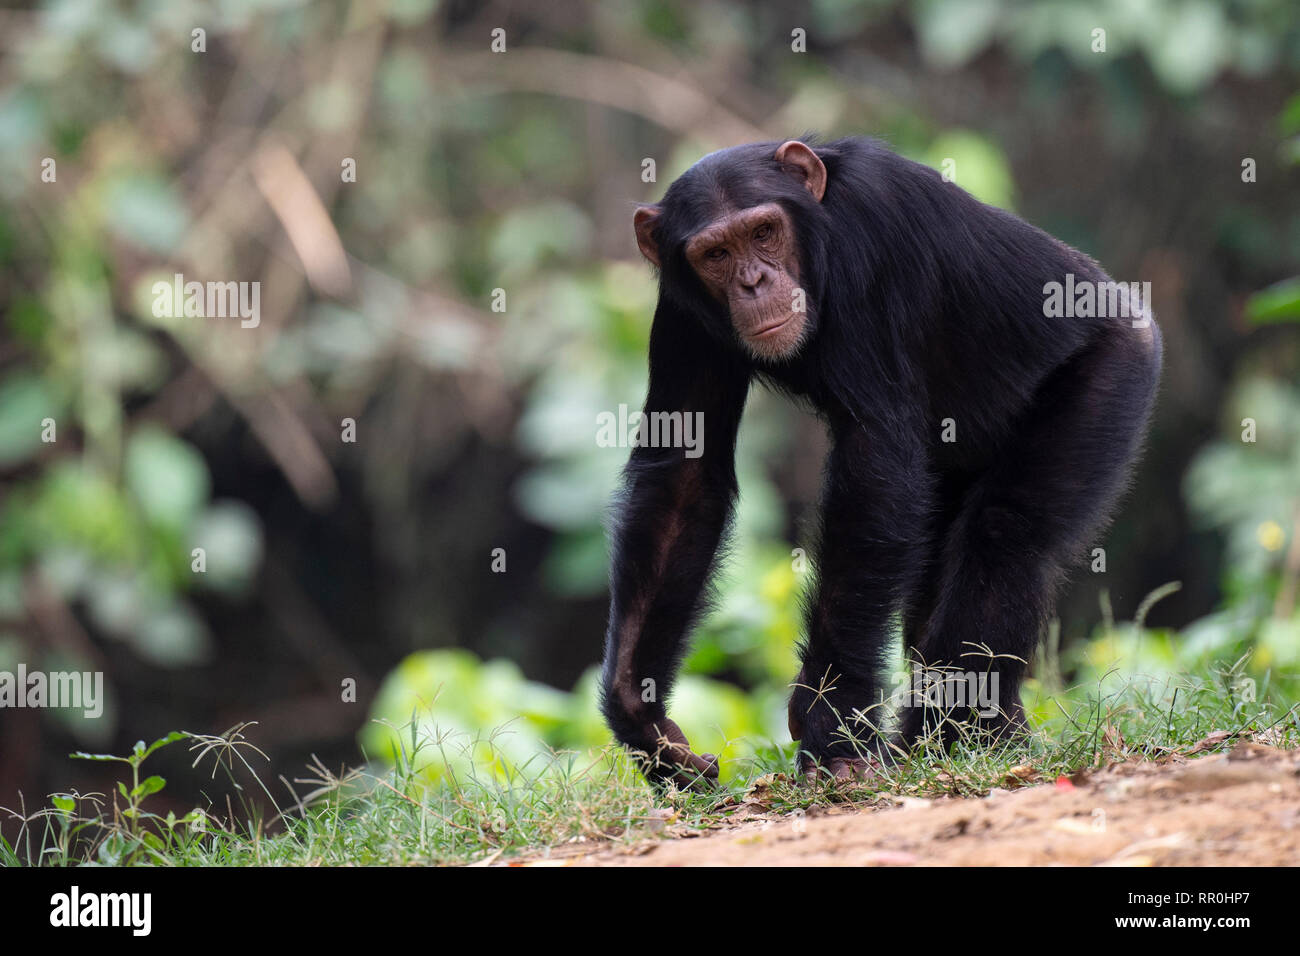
<point>833,721</point>
<point>866,771</point>
<point>933,726</point>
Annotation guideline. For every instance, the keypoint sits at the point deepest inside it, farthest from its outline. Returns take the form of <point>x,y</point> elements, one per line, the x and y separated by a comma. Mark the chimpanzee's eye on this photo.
<point>716,254</point>
<point>763,232</point>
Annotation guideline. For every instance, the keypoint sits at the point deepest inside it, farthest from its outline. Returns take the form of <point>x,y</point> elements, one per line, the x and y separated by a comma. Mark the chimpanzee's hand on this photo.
<point>669,760</point>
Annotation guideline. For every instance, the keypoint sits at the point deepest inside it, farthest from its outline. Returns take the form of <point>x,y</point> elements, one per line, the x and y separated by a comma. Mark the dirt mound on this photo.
<point>1235,809</point>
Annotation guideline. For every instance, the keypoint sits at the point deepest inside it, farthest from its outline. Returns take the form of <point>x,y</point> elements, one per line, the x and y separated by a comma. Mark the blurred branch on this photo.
<point>290,444</point>
<point>433,317</point>
<point>15,27</point>
<point>55,620</point>
<point>301,207</point>
<point>277,425</point>
<point>672,104</point>
<point>310,634</point>
<point>290,194</point>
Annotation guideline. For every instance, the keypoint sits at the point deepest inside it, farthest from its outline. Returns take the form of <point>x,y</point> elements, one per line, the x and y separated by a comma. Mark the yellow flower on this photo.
<point>1271,536</point>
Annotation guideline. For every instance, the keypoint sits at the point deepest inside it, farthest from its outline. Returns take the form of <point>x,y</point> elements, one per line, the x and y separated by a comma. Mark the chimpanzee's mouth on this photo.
<point>771,328</point>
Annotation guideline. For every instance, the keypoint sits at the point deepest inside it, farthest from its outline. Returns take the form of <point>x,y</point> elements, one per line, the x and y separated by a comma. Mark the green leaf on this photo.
<point>1277,303</point>
<point>952,32</point>
<point>82,755</point>
<point>171,738</point>
<point>1289,120</point>
<point>25,401</point>
<point>167,477</point>
<point>230,533</point>
<point>149,785</point>
<point>172,635</point>
<point>112,849</point>
<point>66,804</point>
<point>147,211</point>
<point>529,236</point>
<point>1192,48</point>
<point>979,165</point>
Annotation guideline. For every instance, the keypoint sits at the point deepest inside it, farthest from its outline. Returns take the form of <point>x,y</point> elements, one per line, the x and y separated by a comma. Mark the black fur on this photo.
<point>924,305</point>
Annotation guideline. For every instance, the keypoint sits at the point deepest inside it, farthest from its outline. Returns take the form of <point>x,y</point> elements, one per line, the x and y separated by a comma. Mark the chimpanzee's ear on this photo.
<point>644,222</point>
<point>800,160</point>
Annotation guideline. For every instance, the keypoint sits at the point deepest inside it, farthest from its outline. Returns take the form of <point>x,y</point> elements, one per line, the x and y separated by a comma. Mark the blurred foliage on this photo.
<point>1250,489</point>
<point>450,698</point>
<point>1186,42</point>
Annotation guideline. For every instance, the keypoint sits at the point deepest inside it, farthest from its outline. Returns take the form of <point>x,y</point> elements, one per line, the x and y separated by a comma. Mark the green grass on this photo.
<point>391,815</point>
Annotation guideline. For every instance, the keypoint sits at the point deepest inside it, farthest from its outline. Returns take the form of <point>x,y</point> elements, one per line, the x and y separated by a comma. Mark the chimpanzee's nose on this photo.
<point>752,278</point>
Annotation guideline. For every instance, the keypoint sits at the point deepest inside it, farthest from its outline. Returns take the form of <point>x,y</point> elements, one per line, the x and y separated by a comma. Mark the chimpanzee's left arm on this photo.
<point>675,509</point>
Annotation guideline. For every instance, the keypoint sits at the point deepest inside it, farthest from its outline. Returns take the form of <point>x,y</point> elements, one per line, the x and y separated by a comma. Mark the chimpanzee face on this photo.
<point>746,256</point>
<point>748,261</point>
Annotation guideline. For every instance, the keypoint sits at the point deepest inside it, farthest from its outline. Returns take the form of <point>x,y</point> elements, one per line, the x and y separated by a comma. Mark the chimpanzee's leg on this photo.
<point>1022,525</point>
<point>950,493</point>
<point>875,516</point>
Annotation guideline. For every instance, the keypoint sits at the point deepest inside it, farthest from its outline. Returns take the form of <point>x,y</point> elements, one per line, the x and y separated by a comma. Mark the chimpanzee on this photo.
<point>982,427</point>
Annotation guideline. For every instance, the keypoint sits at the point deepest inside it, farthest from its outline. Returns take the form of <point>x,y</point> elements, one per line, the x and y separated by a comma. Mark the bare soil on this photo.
<point>1236,809</point>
